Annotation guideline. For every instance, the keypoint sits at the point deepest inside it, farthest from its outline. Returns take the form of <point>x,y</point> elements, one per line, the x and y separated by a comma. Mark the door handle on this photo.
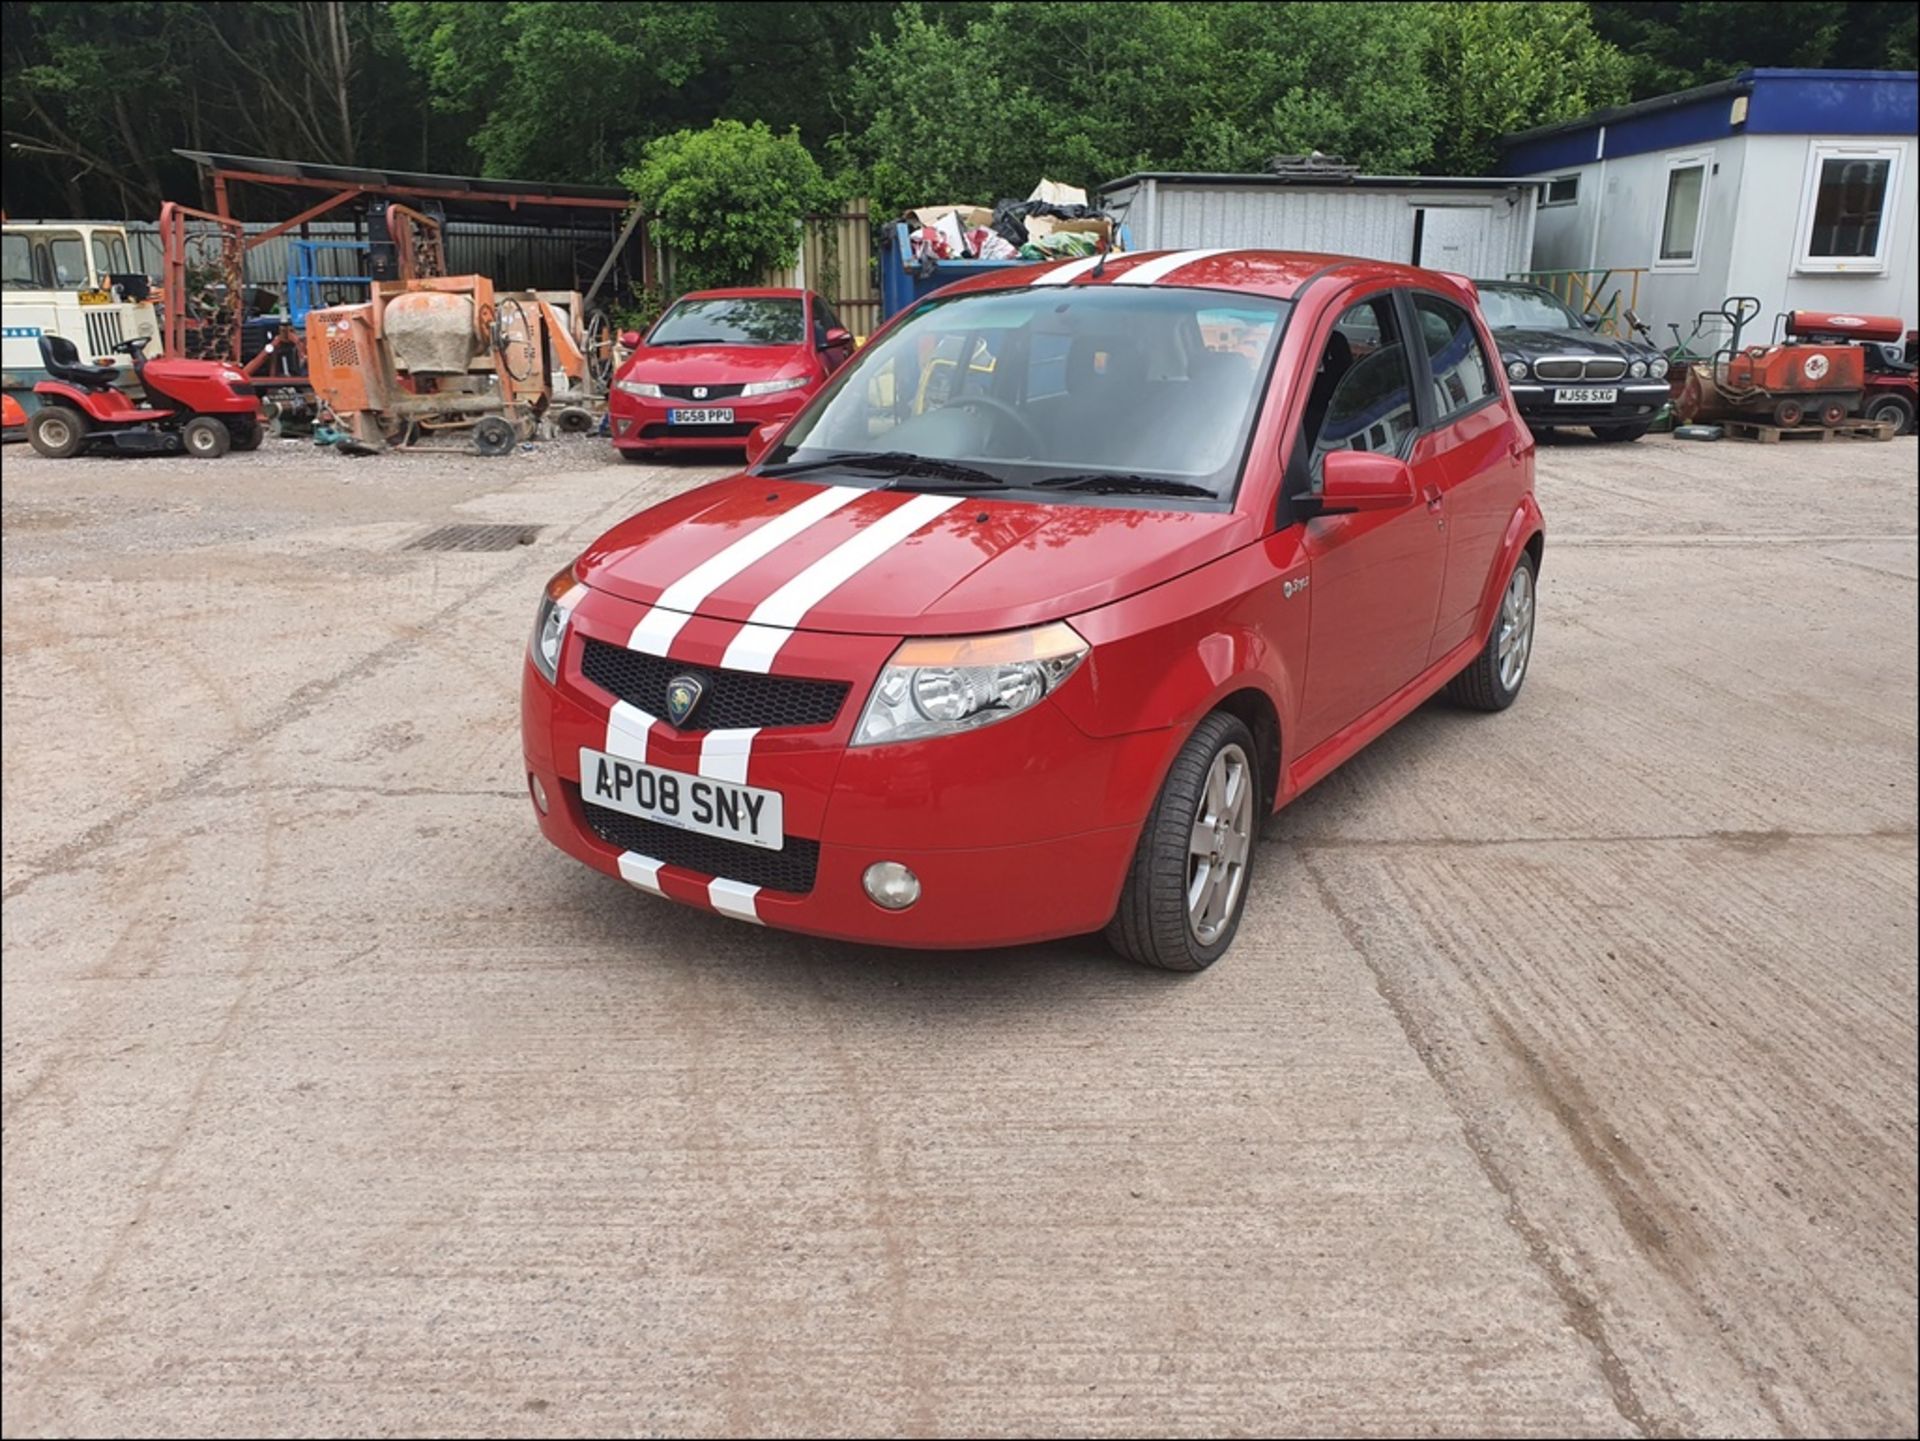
<point>1433,498</point>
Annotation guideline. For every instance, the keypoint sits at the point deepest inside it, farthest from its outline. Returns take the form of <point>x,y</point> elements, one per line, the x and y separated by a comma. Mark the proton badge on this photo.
<point>683,694</point>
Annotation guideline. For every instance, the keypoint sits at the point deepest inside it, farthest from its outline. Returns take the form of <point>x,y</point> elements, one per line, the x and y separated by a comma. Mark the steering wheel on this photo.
<point>134,346</point>
<point>1001,408</point>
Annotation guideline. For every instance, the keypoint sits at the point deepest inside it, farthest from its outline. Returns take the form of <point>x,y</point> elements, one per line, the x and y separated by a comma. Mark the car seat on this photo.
<point>61,357</point>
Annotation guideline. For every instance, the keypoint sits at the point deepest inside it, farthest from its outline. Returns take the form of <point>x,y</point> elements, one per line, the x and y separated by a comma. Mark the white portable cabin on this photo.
<point>1480,227</point>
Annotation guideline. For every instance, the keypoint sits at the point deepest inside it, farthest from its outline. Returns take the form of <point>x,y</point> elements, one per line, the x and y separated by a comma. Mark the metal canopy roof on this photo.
<point>528,202</point>
<point>1327,182</point>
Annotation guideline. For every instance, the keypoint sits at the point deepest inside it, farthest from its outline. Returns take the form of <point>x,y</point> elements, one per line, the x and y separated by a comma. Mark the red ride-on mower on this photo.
<point>203,407</point>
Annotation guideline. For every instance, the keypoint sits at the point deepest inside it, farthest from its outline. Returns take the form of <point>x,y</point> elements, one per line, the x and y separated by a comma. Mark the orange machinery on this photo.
<point>431,357</point>
<point>1818,369</point>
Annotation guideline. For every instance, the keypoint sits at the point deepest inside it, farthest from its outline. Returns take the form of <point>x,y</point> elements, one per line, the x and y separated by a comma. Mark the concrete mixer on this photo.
<point>430,361</point>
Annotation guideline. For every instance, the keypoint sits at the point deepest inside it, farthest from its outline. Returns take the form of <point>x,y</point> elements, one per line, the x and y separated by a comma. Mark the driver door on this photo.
<point>1376,576</point>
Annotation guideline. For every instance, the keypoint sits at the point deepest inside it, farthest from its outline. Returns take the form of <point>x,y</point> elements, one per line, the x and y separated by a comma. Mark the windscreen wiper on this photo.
<point>899,465</point>
<point>1102,482</point>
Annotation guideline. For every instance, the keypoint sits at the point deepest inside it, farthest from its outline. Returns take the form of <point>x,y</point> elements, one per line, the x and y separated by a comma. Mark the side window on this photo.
<point>1461,376</point>
<point>824,320</point>
<point>1362,396</point>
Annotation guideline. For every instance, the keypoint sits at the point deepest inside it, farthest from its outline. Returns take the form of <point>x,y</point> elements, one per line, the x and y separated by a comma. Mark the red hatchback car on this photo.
<point>1031,618</point>
<point>720,363</point>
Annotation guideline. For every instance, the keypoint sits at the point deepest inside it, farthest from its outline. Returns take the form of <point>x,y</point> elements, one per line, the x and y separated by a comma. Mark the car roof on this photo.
<point>1278,274</point>
<point>747,292</point>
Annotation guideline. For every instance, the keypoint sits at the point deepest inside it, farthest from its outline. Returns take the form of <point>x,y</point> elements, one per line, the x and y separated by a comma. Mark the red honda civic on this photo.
<point>1028,621</point>
<point>720,363</point>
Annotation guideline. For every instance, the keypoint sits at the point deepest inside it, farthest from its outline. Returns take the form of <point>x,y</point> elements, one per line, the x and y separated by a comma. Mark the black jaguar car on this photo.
<point>1563,373</point>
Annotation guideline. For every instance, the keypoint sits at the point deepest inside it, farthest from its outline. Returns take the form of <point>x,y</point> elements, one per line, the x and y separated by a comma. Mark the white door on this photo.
<point>1454,238</point>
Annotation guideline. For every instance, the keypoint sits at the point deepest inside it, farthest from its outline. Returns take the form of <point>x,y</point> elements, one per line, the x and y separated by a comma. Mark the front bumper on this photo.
<point>1635,402</point>
<point>638,423</point>
<point>1018,832</point>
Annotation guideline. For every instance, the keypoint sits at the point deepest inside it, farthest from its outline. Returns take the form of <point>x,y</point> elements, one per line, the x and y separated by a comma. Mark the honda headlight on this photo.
<point>773,387</point>
<point>1657,368</point>
<point>937,687</point>
<point>563,593</point>
<point>638,387</point>
<point>1516,370</point>
<point>1637,370</point>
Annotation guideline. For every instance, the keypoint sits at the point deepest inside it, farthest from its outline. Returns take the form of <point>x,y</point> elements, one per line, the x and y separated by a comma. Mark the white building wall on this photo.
<point>1773,201</point>
<point>1375,223</point>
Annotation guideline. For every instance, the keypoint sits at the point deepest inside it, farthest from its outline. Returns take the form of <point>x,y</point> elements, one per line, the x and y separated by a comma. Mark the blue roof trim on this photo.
<point>1834,102</point>
<point>1781,102</point>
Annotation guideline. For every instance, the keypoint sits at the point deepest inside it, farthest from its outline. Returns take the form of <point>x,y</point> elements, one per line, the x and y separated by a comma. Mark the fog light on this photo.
<point>891,884</point>
<point>539,792</point>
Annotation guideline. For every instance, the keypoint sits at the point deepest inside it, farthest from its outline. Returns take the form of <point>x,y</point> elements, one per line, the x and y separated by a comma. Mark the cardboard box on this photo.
<point>1054,193</point>
<point>1100,229</point>
<point>969,216</point>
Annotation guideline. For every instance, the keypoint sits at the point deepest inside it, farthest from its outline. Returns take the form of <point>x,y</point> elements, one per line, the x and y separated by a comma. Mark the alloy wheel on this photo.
<point>1222,838</point>
<point>1516,628</point>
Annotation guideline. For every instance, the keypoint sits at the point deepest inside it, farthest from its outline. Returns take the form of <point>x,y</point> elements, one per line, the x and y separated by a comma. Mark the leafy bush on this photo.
<point>726,200</point>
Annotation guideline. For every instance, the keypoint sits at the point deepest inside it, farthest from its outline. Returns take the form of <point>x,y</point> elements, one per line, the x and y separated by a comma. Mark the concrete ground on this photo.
<point>1562,1079</point>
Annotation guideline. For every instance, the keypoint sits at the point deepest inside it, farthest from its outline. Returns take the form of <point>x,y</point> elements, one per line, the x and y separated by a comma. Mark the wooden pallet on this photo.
<point>1774,434</point>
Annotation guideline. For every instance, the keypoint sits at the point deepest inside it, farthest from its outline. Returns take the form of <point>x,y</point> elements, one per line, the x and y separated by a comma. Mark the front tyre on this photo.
<point>1493,680</point>
<point>1187,886</point>
<point>1896,408</point>
<point>206,437</point>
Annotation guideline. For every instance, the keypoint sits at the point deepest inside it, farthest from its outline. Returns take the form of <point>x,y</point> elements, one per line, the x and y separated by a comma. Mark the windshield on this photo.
<point>1041,386</point>
<point>739,320</point>
<point>1525,310</point>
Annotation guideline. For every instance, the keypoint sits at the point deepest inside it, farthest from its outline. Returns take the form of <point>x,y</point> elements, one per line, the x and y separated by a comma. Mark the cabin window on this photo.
<point>1685,212</point>
<point>1846,211</point>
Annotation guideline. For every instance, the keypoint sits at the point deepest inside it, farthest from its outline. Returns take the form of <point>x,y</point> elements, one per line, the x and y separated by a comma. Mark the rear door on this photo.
<point>1477,448</point>
<point>1376,576</point>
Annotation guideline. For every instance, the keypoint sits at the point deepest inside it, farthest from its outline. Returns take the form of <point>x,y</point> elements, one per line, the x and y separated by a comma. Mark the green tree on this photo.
<point>1495,68</point>
<point>1676,46</point>
<point>727,200</point>
<point>572,90</point>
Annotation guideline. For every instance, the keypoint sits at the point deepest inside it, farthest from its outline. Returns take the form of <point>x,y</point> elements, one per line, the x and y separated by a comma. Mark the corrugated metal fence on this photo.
<point>835,260</point>
<point>515,257</point>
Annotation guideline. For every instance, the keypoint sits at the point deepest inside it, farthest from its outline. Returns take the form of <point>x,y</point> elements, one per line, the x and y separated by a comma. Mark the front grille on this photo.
<point>1574,368</point>
<point>707,392</point>
<point>103,333</point>
<point>660,430</point>
<point>731,698</point>
<point>791,868</point>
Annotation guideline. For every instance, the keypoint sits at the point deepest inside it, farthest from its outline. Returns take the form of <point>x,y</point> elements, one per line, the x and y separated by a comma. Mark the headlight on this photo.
<point>638,387</point>
<point>1657,368</point>
<point>1638,369</point>
<point>1516,370</point>
<point>773,387</point>
<point>937,687</point>
<point>563,593</point>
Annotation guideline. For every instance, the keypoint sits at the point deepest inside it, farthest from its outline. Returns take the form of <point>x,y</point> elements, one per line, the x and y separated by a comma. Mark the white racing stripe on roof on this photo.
<point>734,898</point>
<point>1072,270</point>
<point>775,618</point>
<point>1148,271</point>
<point>658,627</point>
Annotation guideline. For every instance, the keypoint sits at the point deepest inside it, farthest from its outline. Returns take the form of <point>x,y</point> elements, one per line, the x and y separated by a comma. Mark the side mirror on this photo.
<point>761,440</point>
<point>839,335</point>
<point>1353,480</point>
<point>1633,319</point>
<point>1590,320</point>
<point>630,339</point>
